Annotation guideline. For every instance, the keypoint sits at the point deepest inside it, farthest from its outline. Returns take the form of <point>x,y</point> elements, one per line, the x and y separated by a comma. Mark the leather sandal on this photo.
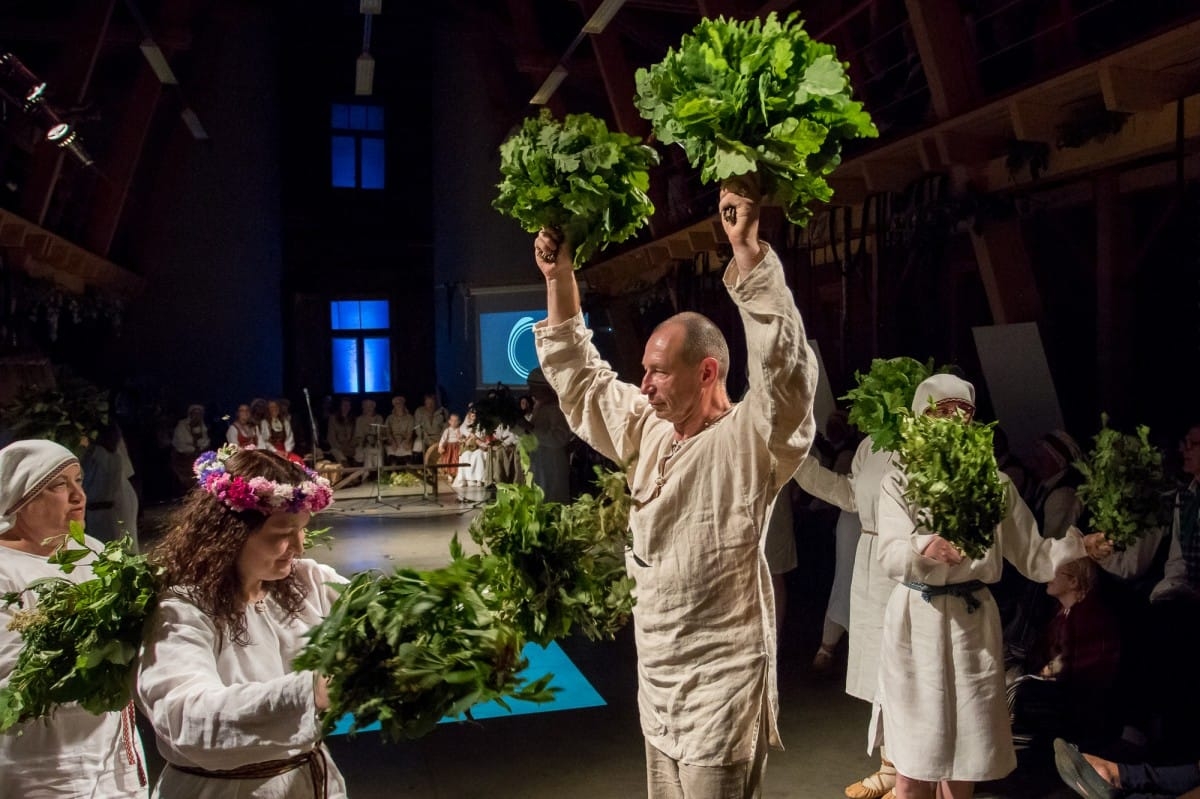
<point>877,786</point>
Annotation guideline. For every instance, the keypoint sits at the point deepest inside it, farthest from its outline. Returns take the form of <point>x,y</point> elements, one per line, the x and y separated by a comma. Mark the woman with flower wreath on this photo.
<point>230,716</point>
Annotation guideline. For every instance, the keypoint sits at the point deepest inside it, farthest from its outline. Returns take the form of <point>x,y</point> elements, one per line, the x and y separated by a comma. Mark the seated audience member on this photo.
<point>1010,464</point>
<point>428,423</point>
<point>473,451</point>
<point>1094,777</point>
<point>242,431</point>
<point>448,447</point>
<point>1072,669</point>
<point>189,440</point>
<point>340,433</point>
<point>368,432</point>
<point>399,432</point>
<point>1024,607</point>
<point>275,431</point>
<point>503,462</point>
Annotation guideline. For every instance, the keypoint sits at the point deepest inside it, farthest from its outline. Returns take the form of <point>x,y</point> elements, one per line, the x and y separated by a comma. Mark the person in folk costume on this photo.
<point>242,431</point>
<point>340,433</point>
<point>189,440</point>
<point>73,754</point>
<point>870,587</point>
<point>230,715</point>
<point>941,697</point>
<point>368,429</point>
<point>399,432</point>
<point>705,474</point>
<point>275,432</point>
<point>448,447</point>
<point>428,423</point>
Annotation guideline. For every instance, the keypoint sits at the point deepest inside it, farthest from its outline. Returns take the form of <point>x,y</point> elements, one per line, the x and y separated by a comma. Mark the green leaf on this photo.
<point>1124,490</point>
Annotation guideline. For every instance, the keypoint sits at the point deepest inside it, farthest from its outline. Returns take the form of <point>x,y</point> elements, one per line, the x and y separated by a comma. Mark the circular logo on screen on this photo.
<point>522,327</point>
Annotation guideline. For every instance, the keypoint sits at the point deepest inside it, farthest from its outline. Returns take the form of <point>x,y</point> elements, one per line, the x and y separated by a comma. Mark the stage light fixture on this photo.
<point>64,136</point>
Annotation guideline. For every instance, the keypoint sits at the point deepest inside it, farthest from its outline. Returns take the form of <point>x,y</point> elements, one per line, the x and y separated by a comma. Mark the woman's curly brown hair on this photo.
<point>205,537</point>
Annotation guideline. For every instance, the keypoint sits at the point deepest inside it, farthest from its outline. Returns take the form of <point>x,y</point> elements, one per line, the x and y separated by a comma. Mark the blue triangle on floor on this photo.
<point>574,691</point>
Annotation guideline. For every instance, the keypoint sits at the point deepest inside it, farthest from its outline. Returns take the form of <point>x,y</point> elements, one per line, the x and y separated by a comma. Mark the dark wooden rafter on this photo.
<point>531,54</point>
<point>617,74</point>
<point>121,163</point>
<point>945,50</point>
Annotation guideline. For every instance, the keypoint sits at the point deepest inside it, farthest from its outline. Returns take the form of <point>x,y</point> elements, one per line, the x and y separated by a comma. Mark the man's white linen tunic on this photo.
<point>704,620</point>
<point>217,705</point>
<point>941,677</point>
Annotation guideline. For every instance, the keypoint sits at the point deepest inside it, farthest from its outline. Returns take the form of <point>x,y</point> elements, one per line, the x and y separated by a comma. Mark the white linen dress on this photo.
<point>217,705</point>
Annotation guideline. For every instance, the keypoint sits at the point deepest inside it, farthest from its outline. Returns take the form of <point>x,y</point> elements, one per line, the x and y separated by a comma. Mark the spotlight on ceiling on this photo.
<point>66,137</point>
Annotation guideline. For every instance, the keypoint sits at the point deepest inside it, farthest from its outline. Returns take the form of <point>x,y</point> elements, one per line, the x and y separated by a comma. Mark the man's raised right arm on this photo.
<point>553,258</point>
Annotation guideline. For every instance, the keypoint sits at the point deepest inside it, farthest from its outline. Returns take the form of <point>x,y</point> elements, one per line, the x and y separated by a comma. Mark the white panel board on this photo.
<point>1019,383</point>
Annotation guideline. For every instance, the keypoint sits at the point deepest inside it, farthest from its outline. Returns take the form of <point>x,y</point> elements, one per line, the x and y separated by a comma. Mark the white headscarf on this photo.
<point>941,388</point>
<point>27,467</point>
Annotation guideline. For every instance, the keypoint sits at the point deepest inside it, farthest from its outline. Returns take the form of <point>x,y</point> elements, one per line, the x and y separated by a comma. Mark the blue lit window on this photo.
<point>362,360</point>
<point>356,147</point>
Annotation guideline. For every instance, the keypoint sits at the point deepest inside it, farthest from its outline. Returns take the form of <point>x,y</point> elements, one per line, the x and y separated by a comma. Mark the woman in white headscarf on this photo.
<point>73,754</point>
<point>941,697</point>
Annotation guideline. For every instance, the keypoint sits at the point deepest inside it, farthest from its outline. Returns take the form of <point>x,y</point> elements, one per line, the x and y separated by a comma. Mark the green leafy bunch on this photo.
<point>1124,487</point>
<point>757,96</point>
<point>71,414</point>
<point>953,480</point>
<point>80,639</point>
<point>559,567</point>
<point>883,395</point>
<point>413,647</point>
<point>577,177</point>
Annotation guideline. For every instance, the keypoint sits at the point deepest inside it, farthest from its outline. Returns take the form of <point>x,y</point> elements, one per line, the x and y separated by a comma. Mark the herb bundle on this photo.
<point>410,648</point>
<point>577,177</point>
<point>1124,488</point>
<point>883,395</point>
<point>558,567</point>
<point>953,480</point>
<point>80,640</point>
<point>760,97</point>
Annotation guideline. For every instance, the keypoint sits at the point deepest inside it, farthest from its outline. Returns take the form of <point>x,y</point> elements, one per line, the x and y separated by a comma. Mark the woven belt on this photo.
<point>314,759</point>
<point>965,591</point>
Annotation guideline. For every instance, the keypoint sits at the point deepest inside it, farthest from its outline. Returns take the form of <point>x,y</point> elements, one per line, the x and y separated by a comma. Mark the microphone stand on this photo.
<point>313,420</point>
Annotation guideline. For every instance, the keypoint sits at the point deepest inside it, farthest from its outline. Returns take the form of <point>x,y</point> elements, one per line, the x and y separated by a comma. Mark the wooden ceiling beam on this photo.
<point>945,50</point>
<point>117,36</point>
<point>1032,121</point>
<point>617,75</point>
<point>1130,90</point>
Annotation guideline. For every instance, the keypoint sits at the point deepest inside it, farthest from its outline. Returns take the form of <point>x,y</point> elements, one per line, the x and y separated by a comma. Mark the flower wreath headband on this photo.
<point>259,493</point>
